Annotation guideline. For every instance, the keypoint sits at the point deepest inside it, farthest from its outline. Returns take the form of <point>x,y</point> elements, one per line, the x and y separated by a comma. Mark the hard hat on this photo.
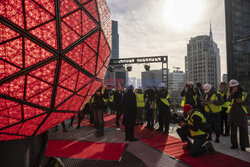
<point>113,89</point>
<point>207,88</point>
<point>187,107</point>
<point>233,83</point>
<point>161,85</point>
<point>189,83</point>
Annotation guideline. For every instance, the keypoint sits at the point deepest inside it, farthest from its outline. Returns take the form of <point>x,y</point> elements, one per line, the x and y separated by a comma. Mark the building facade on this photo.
<point>176,82</point>
<point>237,13</point>
<point>202,63</point>
<point>224,78</point>
<point>152,77</point>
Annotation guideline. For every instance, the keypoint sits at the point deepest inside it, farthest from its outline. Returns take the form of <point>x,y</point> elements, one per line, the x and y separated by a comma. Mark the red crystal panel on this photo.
<point>12,52</point>
<point>91,8</point>
<point>12,10</point>
<point>67,6</point>
<point>68,36</point>
<point>10,109</point>
<point>74,21</point>
<point>6,33</point>
<point>92,41</point>
<point>49,5</point>
<point>34,53</point>
<point>35,15</point>
<point>13,88</point>
<point>31,112</point>
<point>84,91</point>
<point>46,73</point>
<point>90,65</point>
<point>87,24</point>
<point>62,94</point>
<point>7,69</point>
<point>47,33</point>
<point>38,64</point>
<point>53,119</point>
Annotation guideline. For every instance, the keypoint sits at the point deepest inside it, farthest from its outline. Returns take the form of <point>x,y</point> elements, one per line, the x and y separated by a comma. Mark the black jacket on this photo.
<point>189,94</point>
<point>129,108</point>
<point>162,106</point>
<point>98,100</point>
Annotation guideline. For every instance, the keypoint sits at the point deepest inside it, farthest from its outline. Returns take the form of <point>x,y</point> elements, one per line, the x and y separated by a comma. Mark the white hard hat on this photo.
<point>233,83</point>
<point>207,88</point>
<point>161,85</point>
<point>113,89</point>
<point>189,83</point>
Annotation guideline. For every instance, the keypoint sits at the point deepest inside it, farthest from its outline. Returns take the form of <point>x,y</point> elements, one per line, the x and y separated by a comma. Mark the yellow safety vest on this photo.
<point>227,103</point>
<point>165,100</point>
<point>105,100</point>
<point>244,96</point>
<point>111,99</point>
<point>190,122</point>
<point>183,102</point>
<point>213,107</point>
<point>140,100</point>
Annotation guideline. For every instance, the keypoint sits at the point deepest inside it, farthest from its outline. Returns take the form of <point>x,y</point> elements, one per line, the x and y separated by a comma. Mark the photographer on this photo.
<point>189,96</point>
<point>164,109</point>
<point>237,115</point>
<point>212,105</point>
<point>194,128</point>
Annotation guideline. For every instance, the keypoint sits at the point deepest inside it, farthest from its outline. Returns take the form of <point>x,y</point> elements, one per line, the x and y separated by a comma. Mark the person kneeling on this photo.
<point>195,128</point>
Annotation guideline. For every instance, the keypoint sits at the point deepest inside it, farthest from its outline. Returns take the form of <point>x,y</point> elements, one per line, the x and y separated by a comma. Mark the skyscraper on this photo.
<point>119,74</point>
<point>202,63</point>
<point>115,40</point>
<point>237,14</point>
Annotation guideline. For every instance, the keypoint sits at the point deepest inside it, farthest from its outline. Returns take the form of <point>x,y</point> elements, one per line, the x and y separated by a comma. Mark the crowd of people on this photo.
<point>205,111</point>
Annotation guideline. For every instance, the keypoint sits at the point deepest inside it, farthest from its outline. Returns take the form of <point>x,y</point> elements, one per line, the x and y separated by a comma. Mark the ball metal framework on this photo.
<point>53,56</point>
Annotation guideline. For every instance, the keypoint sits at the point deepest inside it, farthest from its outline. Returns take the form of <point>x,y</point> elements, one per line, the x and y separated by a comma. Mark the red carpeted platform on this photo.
<point>173,147</point>
<point>85,150</point>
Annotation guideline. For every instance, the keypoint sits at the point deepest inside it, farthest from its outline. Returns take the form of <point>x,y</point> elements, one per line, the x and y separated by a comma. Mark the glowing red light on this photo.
<point>52,59</point>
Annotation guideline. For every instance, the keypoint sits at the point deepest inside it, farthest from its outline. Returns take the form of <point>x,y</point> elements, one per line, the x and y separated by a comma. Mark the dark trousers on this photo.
<point>118,115</point>
<point>224,124</point>
<point>214,120</point>
<point>150,118</point>
<point>63,126</point>
<point>80,116</point>
<point>99,121</point>
<point>139,114</point>
<point>197,148</point>
<point>129,131</point>
<point>244,141</point>
<point>164,120</point>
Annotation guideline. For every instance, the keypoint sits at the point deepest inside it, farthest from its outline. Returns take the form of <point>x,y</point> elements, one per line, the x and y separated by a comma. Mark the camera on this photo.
<point>177,118</point>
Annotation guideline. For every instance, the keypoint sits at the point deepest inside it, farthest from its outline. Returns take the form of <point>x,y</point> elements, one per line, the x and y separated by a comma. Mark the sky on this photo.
<point>164,27</point>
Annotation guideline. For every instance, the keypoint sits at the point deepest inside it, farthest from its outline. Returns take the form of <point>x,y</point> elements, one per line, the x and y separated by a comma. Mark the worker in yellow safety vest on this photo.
<point>164,109</point>
<point>194,128</point>
<point>237,115</point>
<point>223,89</point>
<point>111,101</point>
<point>212,106</point>
<point>189,95</point>
<point>140,106</point>
<point>99,105</point>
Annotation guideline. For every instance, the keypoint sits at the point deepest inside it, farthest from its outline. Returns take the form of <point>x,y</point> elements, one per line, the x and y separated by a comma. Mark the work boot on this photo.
<point>243,149</point>
<point>234,147</point>
<point>217,140</point>
<point>159,129</point>
<point>187,146</point>
<point>210,148</point>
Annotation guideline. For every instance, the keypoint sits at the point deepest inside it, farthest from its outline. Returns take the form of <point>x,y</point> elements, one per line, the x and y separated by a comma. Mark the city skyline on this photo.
<point>154,32</point>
